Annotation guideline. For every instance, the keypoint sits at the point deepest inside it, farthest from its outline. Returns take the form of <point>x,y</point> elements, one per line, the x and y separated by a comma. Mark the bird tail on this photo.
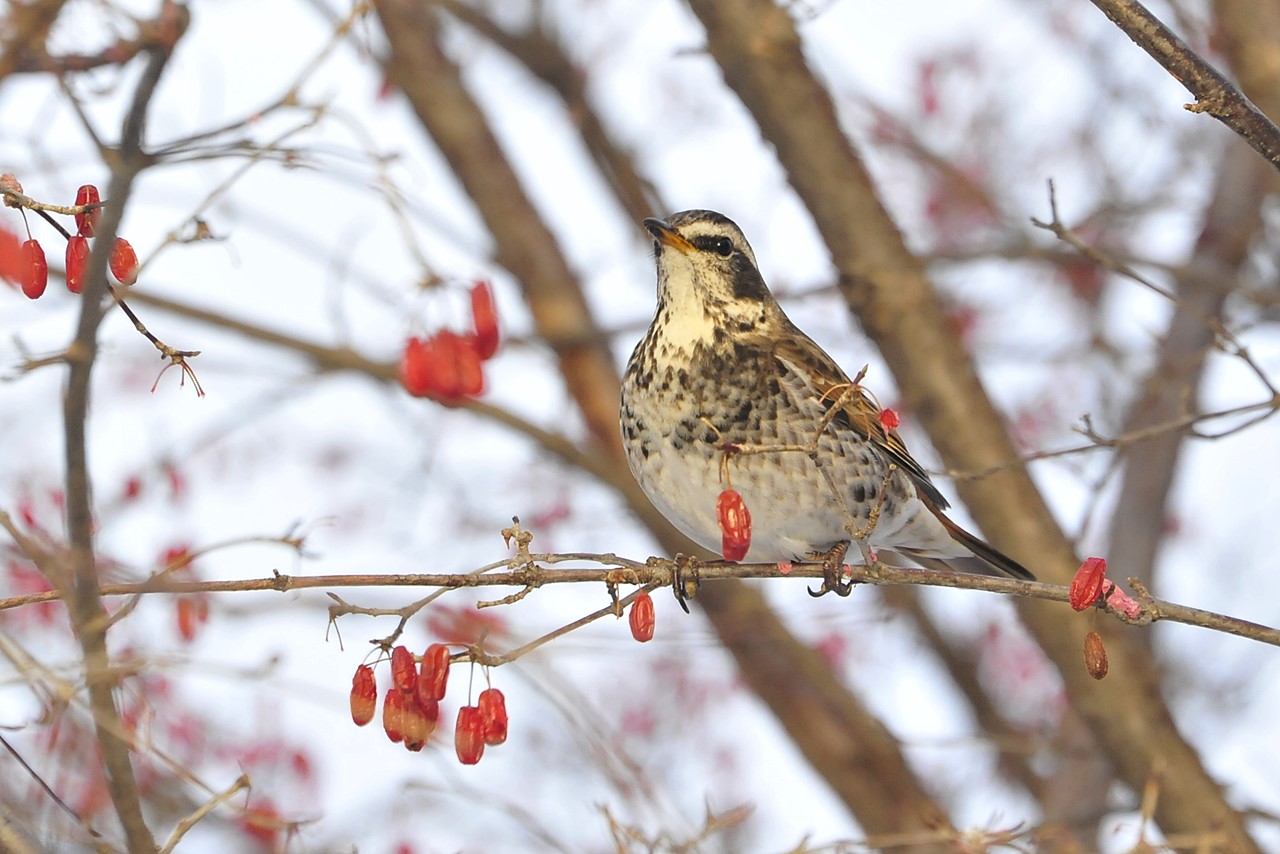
<point>992,558</point>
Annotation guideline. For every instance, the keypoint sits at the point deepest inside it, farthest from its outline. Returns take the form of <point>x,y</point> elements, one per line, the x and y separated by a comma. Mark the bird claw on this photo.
<point>833,573</point>
<point>685,587</point>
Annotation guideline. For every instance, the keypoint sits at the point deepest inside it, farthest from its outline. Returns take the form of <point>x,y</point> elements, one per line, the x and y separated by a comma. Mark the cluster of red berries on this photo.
<point>31,271</point>
<point>449,364</point>
<point>411,706</point>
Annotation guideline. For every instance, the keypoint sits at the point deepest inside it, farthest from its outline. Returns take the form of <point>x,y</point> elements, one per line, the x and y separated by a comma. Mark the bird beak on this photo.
<point>666,235</point>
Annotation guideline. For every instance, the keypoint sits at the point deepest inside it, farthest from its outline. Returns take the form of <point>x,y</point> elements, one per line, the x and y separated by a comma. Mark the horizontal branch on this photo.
<point>531,572</point>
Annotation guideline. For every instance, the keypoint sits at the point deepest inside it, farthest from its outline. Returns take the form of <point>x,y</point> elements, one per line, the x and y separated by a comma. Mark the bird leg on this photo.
<point>833,571</point>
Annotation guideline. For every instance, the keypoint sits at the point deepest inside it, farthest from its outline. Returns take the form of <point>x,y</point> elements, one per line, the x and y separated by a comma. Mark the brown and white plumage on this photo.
<point>722,376</point>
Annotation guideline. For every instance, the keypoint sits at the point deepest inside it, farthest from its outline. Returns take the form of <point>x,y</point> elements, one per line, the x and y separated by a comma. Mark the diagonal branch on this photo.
<point>433,84</point>
<point>1214,93</point>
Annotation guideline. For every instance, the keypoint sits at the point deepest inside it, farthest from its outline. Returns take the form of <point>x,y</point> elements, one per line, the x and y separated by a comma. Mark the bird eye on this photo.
<point>723,247</point>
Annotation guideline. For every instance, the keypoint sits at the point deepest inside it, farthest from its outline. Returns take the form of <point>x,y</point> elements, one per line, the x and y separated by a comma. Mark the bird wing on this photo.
<point>812,376</point>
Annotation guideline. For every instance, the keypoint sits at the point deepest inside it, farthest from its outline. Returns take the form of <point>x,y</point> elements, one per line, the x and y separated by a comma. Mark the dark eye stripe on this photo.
<point>722,246</point>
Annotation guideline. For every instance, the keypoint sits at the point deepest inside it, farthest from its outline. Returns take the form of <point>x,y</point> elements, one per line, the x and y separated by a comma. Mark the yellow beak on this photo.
<point>666,235</point>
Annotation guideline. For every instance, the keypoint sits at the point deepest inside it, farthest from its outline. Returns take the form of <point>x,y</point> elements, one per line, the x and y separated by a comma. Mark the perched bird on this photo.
<point>725,391</point>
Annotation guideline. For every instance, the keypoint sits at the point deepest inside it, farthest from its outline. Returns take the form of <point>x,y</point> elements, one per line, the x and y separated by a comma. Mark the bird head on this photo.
<point>707,274</point>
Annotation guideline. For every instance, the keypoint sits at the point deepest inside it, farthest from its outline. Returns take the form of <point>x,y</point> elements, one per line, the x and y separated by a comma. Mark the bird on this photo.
<point>725,392</point>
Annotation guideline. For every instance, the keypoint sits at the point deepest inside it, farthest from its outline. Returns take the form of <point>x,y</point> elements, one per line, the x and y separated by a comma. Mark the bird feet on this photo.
<point>833,572</point>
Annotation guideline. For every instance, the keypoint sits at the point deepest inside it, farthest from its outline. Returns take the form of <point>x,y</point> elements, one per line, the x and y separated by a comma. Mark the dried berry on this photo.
<point>484,319</point>
<point>87,222</point>
<point>1095,655</point>
<point>393,714</point>
<point>404,671</point>
<point>468,735</point>
<point>642,617</point>
<point>414,725</point>
<point>493,715</point>
<point>124,262</point>
<point>433,677</point>
<point>1086,586</point>
<point>35,269</point>
<point>364,695</point>
<point>735,525</point>
<point>77,261</point>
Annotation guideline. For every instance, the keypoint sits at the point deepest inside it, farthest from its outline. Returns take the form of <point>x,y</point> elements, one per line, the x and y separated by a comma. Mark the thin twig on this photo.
<point>207,807</point>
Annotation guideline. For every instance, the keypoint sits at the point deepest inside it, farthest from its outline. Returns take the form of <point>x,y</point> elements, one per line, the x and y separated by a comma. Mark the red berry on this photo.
<point>87,222</point>
<point>364,695</point>
<point>1086,586</point>
<point>889,419</point>
<point>735,525</point>
<point>403,669</point>
<point>415,368</point>
<point>433,678</point>
<point>493,715</point>
<point>428,367</point>
<point>467,358</point>
<point>192,612</point>
<point>77,260</point>
<point>124,262</point>
<point>468,735</point>
<point>393,714</point>
<point>642,617</point>
<point>35,269</point>
<point>415,726</point>
<point>484,319</point>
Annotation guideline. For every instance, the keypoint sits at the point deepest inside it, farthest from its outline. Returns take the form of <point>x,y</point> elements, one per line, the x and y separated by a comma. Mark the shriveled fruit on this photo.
<point>364,695</point>
<point>393,714</point>
<point>124,262</point>
<point>493,715</point>
<point>641,617</point>
<point>77,261</point>
<point>433,677</point>
<point>468,735</point>
<point>484,319</point>
<point>87,222</point>
<point>1086,585</point>
<point>403,669</point>
<point>735,525</point>
<point>1095,656</point>
<point>35,269</point>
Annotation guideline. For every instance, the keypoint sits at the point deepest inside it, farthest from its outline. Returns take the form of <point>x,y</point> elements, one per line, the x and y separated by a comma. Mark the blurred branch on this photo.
<point>1214,93</point>
<point>756,45</point>
<point>25,27</point>
<point>546,59</point>
<point>1221,337</point>
<point>524,245</point>
<point>84,603</point>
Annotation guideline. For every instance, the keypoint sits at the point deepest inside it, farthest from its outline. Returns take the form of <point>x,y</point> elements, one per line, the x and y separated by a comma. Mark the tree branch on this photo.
<point>1214,93</point>
<point>84,603</point>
